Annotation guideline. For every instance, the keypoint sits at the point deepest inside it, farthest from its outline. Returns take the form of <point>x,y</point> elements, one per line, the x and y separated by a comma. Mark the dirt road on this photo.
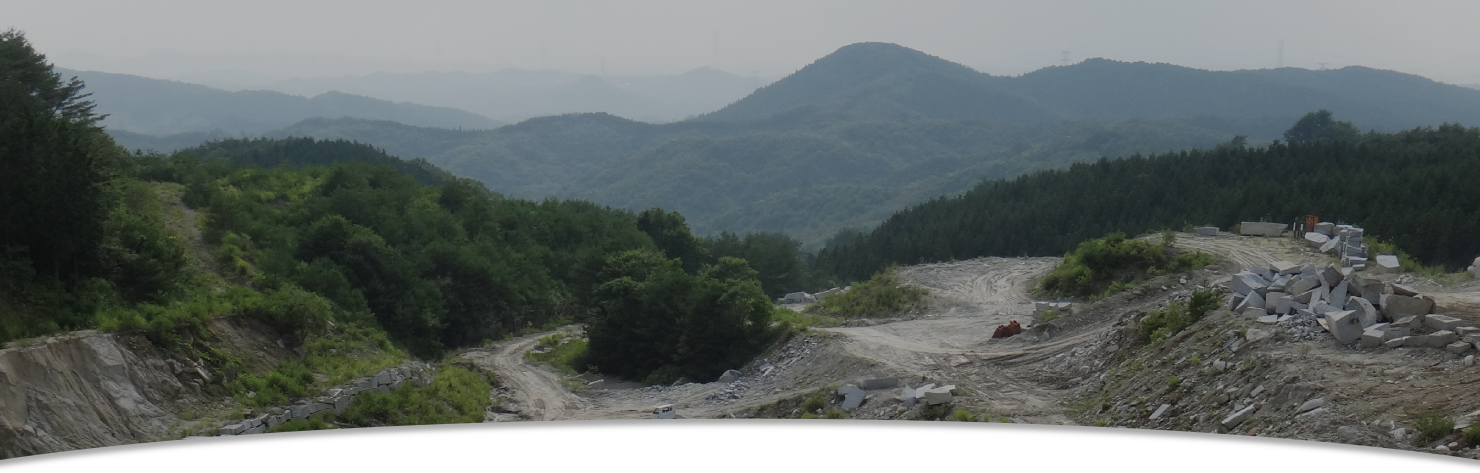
<point>537,390</point>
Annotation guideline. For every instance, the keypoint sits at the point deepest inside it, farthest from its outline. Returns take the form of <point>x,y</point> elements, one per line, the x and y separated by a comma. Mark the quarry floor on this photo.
<point>1086,368</point>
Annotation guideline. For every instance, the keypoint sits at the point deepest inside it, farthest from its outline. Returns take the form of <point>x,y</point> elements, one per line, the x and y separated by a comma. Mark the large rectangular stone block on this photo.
<point>1254,301</point>
<point>940,395</point>
<point>1339,294</point>
<point>1387,264</point>
<point>1442,322</point>
<point>1207,231</point>
<point>1373,338</point>
<point>1238,417</point>
<point>1434,340</point>
<point>1331,276</point>
<point>1398,306</point>
<point>1307,297</point>
<point>1272,301</point>
<point>1394,330</point>
<point>1404,290</point>
<point>1284,267</point>
<point>1279,284</point>
<point>1345,325</point>
<point>1302,284</point>
<point>233,429</point>
<point>1369,288</point>
<point>1261,228</point>
<point>1284,304</point>
<point>1246,282</point>
<point>1326,228</point>
<point>1316,240</point>
<point>1330,247</point>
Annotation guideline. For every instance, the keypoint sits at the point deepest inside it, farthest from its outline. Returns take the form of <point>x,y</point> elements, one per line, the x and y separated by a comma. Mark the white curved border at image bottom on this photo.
<point>743,424</point>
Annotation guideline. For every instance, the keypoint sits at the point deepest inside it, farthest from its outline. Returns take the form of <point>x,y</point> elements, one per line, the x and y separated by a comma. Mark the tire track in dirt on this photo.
<point>535,388</point>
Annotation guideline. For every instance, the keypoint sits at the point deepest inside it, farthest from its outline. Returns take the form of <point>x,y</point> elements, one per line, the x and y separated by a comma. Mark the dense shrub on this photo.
<point>458,395</point>
<point>1097,265</point>
<point>1432,426</point>
<point>882,295</point>
<point>657,323</point>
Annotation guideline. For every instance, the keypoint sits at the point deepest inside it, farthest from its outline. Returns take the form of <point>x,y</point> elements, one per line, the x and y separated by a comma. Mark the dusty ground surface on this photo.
<point>1087,368</point>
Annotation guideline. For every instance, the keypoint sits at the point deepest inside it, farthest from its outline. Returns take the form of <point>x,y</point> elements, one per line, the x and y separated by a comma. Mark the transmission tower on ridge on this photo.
<point>1281,61</point>
<point>1064,58</point>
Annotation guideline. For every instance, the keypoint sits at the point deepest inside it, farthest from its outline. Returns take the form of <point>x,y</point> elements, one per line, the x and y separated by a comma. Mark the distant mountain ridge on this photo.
<point>161,107</point>
<point>874,128</point>
<point>885,81</point>
<point>513,95</point>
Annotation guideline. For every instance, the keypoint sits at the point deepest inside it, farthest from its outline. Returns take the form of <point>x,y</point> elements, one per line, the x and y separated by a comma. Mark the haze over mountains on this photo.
<point>874,127</point>
<point>162,107</point>
<point>513,95</point>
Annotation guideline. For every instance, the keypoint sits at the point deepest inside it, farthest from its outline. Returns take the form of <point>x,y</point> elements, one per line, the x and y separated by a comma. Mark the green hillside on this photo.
<point>1412,188</point>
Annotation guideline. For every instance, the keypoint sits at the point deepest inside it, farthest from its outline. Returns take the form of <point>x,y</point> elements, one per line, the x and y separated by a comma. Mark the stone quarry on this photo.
<point>1352,307</point>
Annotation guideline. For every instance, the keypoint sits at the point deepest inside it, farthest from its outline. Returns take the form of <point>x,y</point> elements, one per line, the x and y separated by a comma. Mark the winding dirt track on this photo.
<point>535,388</point>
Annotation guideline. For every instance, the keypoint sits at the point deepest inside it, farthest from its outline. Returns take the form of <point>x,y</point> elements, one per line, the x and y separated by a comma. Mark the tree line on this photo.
<point>1412,188</point>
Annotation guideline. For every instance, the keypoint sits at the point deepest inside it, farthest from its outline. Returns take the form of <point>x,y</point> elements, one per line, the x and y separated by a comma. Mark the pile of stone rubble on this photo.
<point>1349,306</point>
<point>336,399</point>
<point>807,298</point>
<point>1345,241</point>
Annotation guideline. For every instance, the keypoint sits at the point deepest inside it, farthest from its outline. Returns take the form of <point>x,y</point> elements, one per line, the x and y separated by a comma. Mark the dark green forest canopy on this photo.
<point>1414,188</point>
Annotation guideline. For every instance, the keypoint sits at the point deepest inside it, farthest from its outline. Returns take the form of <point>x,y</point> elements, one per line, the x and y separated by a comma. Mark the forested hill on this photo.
<point>1413,188</point>
<point>809,179</point>
<point>267,153</point>
<point>162,107</point>
<point>878,80</point>
<point>885,81</point>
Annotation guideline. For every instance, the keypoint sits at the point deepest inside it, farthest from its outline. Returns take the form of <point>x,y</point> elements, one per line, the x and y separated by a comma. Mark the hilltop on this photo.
<point>879,80</point>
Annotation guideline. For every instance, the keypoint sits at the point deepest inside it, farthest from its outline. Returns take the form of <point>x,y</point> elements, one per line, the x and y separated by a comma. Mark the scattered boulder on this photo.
<point>729,376</point>
<point>1238,417</point>
<point>1345,325</point>
<point>852,396</point>
<point>879,383</point>
<point>1399,306</point>
<point>1442,322</point>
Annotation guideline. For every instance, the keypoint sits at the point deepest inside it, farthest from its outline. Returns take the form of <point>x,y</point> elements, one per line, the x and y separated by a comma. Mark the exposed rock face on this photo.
<point>82,391</point>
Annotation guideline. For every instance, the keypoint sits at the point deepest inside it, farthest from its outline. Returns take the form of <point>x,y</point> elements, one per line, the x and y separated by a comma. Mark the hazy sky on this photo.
<point>1436,39</point>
